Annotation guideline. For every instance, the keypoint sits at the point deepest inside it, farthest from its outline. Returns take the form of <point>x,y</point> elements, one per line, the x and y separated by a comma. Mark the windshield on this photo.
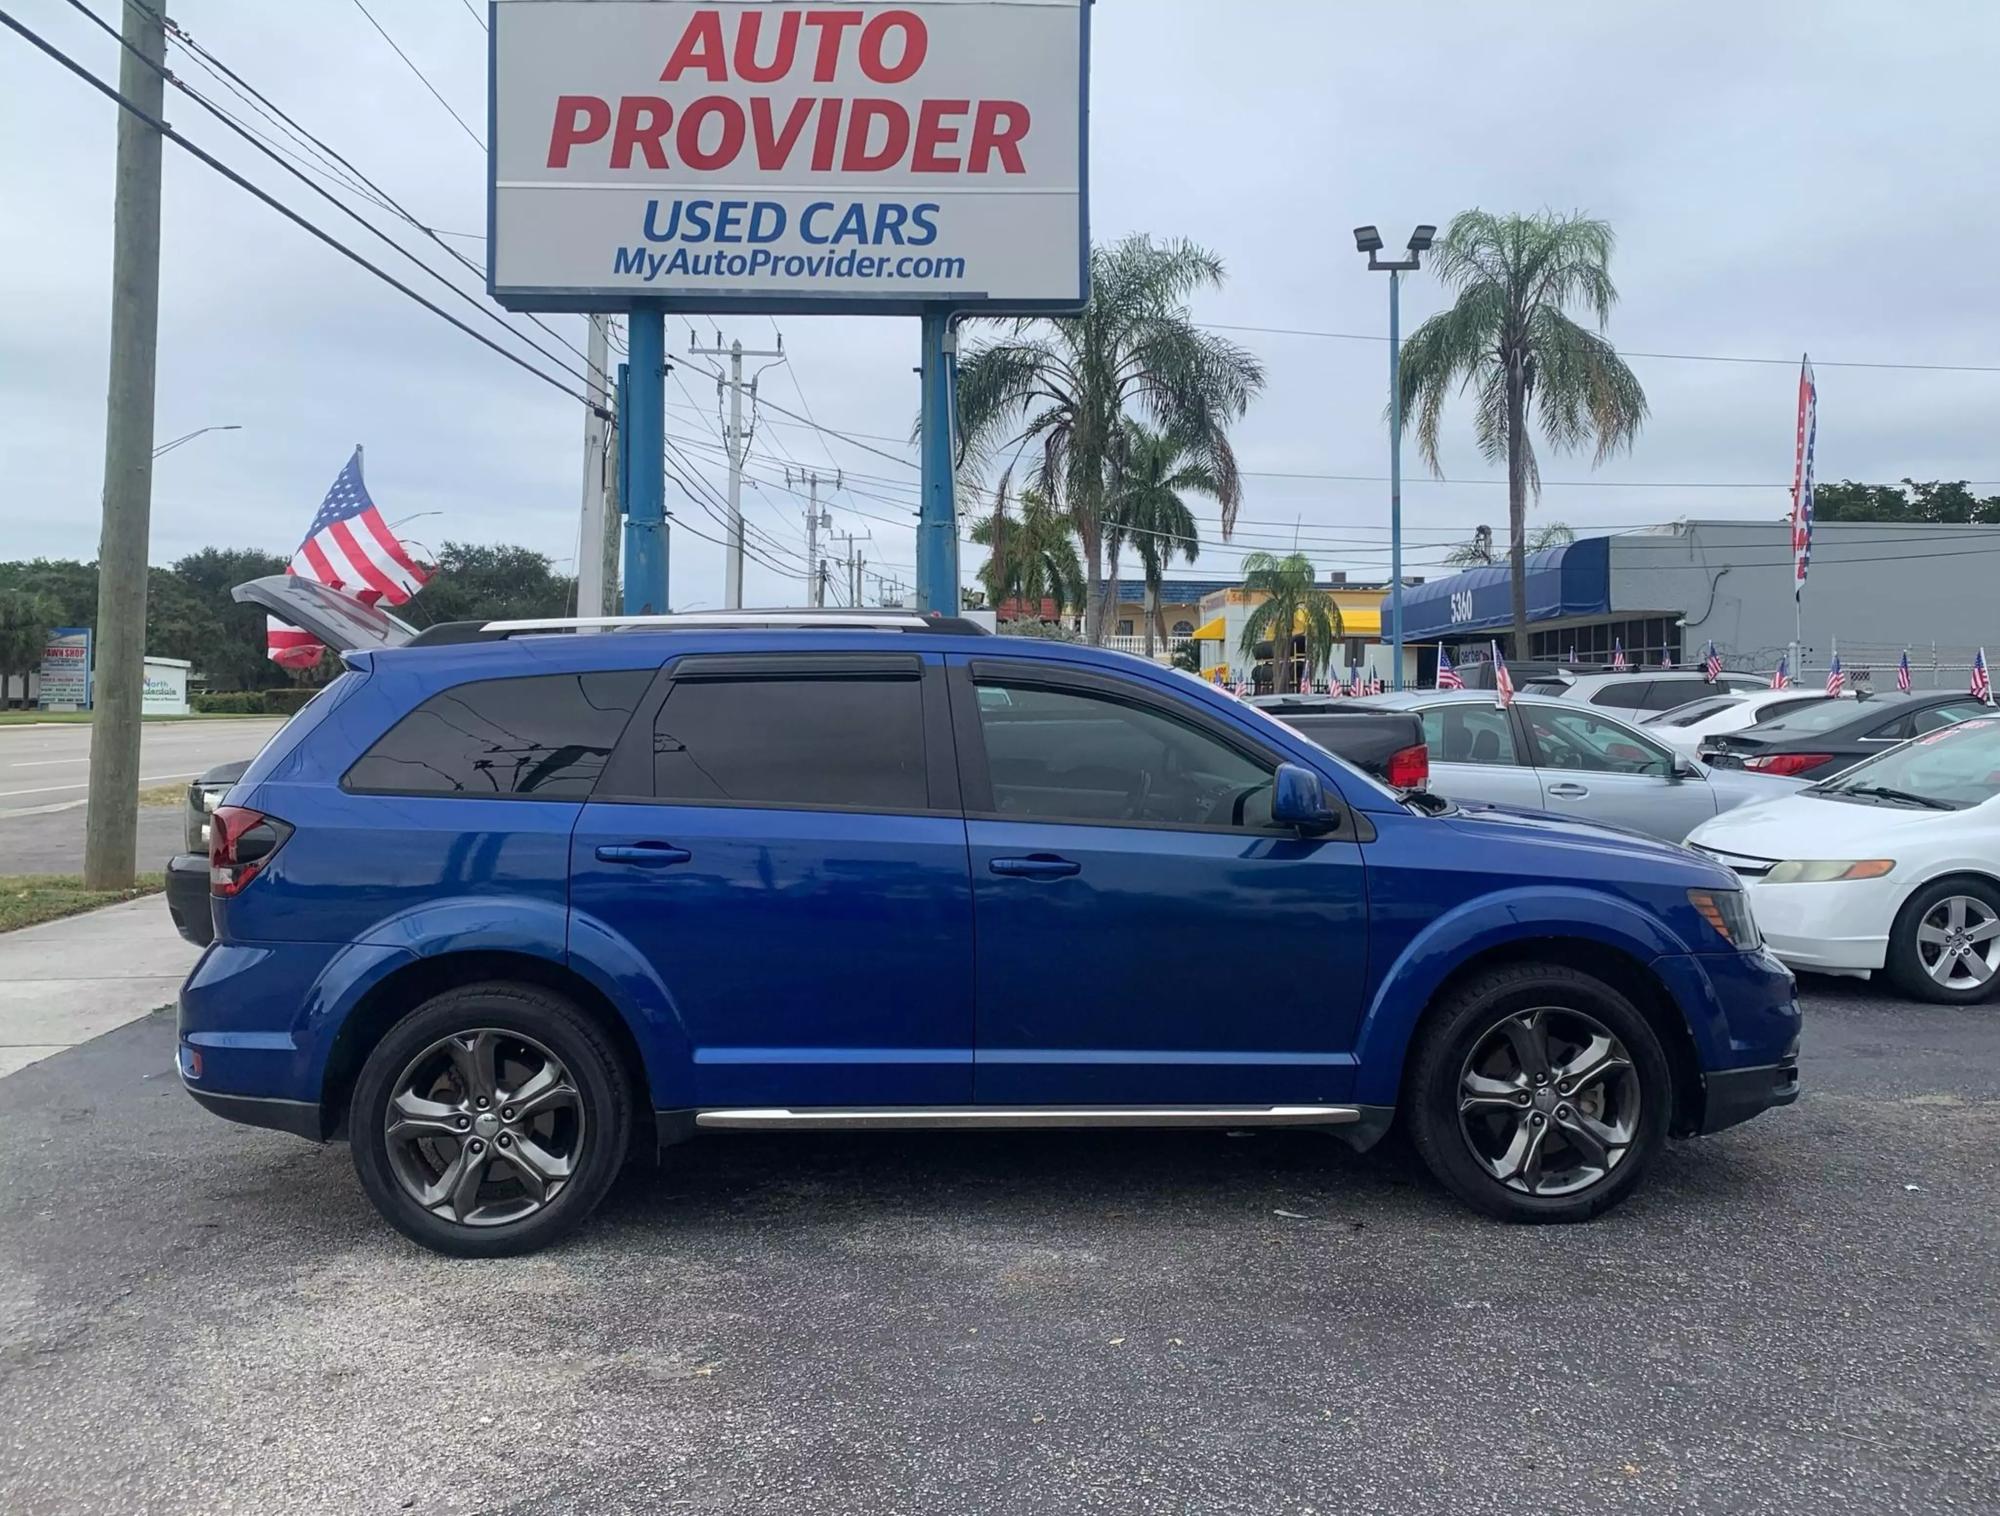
<point>1957,766</point>
<point>1823,717</point>
<point>1688,715</point>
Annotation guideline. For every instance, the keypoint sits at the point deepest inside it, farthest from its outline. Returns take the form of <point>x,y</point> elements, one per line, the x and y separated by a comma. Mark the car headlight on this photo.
<point>1728,911</point>
<point>1826,870</point>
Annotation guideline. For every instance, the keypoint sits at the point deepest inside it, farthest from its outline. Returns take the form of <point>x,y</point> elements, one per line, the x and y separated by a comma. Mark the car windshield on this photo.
<point>1823,717</point>
<point>1700,710</point>
<point>1955,766</point>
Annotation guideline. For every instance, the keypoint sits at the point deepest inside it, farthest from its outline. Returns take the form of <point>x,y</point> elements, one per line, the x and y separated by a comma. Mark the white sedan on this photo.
<point>1684,727</point>
<point>1893,866</point>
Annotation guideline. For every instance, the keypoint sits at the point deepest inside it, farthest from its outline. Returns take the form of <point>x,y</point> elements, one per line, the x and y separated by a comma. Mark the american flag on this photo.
<point>348,547</point>
<point>1667,659</point>
<point>1835,680</point>
<point>1354,681</point>
<point>1903,673</point>
<point>1503,682</point>
<point>1802,478</point>
<point>1618,662</point>
<point>1572,653</point>
<point>1781,678</point>
<point>1982,687</point>
<point>1448,677</point>
<point>1712,664</point>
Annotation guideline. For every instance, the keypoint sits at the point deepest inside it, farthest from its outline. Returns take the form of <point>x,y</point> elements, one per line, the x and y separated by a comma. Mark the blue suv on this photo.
<point>504,910</point>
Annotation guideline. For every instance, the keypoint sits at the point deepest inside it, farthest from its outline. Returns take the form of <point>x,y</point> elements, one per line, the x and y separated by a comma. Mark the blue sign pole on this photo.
<point>937,516</point>
<point>643,432</point>
<point>1396,485</point>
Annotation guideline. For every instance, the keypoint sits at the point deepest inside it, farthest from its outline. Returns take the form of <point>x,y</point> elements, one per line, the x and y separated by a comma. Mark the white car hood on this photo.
<point>1802,826</point>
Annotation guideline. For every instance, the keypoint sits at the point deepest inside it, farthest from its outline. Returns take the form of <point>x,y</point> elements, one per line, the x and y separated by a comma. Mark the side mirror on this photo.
<point>1298,798</point>
<point>1683,768</point>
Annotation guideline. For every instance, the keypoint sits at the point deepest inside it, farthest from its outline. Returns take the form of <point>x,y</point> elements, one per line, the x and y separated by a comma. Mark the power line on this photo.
<point>1929,368</point>
<point>478,19</point>
<point>423,78</point>
<point>210,161</point>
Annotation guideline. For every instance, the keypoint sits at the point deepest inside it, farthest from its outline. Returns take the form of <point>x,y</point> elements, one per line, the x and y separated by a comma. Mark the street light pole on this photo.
<point>1369,241</point>
<point>168,447</point>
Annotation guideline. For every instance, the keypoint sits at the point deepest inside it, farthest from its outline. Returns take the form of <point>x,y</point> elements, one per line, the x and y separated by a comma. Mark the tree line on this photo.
<point>189,612</point>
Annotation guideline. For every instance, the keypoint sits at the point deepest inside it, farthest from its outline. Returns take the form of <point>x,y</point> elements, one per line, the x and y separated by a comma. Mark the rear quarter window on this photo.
<point>541,736</point>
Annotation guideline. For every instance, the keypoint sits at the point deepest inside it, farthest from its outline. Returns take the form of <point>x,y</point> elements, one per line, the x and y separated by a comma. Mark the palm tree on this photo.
<point>1480,548</point>
<point>1151,513</point>
<point>1507,338</point>
<point>1068,384</point>
<point>1033,558</point>
<point>1291,596</point>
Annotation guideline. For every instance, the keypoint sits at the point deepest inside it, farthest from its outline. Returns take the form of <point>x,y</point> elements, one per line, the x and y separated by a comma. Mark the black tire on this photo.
<point>1906,965</point>
<point>601,1113</point>
<point>1464,1021</point>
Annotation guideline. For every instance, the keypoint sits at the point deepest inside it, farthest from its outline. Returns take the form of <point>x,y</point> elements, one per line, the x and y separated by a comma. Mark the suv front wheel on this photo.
<point>1538,1093</point>
<point>490,1121</point>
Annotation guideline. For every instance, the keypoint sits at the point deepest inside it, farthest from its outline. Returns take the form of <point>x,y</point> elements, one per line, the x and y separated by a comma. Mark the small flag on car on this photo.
<point>1618,663</point>
<point>1712,664</point>
<point>1982,687</point>
<point>1835,680</point>
<point>348,547</point>
<point>1503,682</point>
<point>1448,678</point>
<point>1903,673</point>
<point>1781,678</point>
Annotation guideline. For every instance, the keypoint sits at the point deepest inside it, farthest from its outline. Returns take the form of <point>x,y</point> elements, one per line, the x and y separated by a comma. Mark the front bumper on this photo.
<point>1731,1096</point>
<point>1841,927</point>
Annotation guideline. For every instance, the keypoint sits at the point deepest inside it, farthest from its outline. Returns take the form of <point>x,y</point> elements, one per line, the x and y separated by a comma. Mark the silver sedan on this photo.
<point>1559,756</point>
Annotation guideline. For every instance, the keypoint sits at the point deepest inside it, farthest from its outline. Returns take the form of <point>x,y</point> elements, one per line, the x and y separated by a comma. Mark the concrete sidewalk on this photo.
<point>68,981</point>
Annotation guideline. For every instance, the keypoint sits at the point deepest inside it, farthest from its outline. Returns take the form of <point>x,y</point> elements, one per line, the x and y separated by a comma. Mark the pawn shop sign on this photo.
<point>867,158</point>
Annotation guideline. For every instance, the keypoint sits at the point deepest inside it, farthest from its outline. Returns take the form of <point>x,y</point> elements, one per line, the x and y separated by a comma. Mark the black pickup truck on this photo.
<point>1388,744</point>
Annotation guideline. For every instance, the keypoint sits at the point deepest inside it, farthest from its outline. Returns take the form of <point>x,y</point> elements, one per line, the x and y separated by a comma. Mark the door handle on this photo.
<point>1039,866</point>
<point>645,854</point>
<point>1568,790</point>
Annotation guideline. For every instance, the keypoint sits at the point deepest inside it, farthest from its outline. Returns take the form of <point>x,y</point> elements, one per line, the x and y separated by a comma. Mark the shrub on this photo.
<point>286,699</point>
<point>229,703</point>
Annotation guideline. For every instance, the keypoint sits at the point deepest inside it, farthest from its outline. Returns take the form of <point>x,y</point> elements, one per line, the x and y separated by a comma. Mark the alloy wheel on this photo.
<point>1548,1101</point>
<point>1958,942</point>
<point>484,1127</point>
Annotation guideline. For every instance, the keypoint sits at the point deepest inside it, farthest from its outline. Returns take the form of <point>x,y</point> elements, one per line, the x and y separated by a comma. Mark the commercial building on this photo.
<point>1228,608</point>
<point>1663,593</point>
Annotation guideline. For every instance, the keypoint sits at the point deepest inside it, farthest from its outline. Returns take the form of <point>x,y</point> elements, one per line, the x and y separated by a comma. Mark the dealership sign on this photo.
<point>65,682</point>
<point>776,157</point>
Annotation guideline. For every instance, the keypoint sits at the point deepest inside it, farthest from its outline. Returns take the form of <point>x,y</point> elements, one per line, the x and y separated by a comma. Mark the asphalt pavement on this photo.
<point>45,780</point>
<point>1796,1315</point>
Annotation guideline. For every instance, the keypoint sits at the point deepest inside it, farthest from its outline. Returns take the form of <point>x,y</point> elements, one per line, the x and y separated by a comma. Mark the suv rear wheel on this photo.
<point>1538,1093</point>
<point>490,1121</point>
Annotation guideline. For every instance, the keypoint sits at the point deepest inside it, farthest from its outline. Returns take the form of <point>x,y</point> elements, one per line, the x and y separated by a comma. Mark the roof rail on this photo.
<point>776,620</point>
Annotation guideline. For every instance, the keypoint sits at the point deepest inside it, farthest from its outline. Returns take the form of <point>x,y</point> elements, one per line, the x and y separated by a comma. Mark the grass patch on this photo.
<point>26,899</point>
<point>164,794</point>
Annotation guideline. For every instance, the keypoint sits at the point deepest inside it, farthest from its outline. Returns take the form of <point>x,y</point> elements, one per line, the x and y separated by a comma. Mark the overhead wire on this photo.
<point>422,77</point>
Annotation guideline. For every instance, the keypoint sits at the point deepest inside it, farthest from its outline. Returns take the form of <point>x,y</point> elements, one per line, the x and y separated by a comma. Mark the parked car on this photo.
<point>502,911</point>
<point>1388,744</point>
<point>187,872</point>
<point>1642,690</point>
<point>1893,865</point>
<point>1551,754</point>
<point>1686,727</point>
<point>1823,740</point>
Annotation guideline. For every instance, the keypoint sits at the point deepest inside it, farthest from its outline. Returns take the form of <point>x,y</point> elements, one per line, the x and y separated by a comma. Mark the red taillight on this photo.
<point>1786,764</point>
<point>240,842</point>
<point>1409,768</point>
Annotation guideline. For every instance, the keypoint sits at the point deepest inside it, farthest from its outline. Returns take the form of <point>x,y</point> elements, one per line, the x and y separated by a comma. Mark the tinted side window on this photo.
<point>828,741</point>
<point>1672,694</point>
<point>545,735</point>
<point>1578,740</point>
<point>1944,715</point>
<point>1628,696</point>
<point>1469,733</point>
<point>1061,755</point>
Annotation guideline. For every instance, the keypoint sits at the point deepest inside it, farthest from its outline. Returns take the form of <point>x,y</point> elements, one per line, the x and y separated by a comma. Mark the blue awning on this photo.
<point>1571,580</point>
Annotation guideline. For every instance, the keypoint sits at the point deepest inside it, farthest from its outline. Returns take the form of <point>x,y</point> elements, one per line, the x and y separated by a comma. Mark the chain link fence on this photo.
<point>1873,665</point>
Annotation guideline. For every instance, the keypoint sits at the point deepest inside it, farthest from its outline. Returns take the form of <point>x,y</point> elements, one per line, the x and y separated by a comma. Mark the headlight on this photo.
<point>1826,870</point>
<point>1729,913</point>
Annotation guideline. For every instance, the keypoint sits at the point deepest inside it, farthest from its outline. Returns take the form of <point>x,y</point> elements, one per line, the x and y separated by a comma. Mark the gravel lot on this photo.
<point>1797,1315</point>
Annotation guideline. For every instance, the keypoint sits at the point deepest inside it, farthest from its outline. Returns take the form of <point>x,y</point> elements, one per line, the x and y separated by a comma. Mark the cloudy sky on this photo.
<point>1781,177</point>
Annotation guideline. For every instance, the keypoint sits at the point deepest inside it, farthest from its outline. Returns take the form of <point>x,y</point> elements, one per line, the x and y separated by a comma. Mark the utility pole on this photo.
<point>859,560</point>
<point>852,563</point>
<point>735,442</point>
<point>815,520</point>
<point>111,824</point>
<point>614,515</point>
<point>596,410</point>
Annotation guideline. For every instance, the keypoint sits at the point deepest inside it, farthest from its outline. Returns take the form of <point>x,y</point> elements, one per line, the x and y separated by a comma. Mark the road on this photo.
<point>45,779</point>
<point>1796,1315</point>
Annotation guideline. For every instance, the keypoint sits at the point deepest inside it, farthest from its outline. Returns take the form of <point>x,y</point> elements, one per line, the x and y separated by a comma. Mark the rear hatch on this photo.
<point>337,619</point>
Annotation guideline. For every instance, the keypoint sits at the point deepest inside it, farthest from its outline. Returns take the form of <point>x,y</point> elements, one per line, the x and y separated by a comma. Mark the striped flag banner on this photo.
<point>1802,478</point>
<point>348,547</point>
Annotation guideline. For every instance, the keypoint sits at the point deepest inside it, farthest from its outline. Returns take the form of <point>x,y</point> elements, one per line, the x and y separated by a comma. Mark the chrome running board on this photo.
<point>975,1117</point>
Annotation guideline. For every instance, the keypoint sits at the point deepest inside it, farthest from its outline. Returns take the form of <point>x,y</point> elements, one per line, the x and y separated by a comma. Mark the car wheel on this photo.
<point>1538,1093</point>
<point>490,1121</point>
<point>1946,943</point>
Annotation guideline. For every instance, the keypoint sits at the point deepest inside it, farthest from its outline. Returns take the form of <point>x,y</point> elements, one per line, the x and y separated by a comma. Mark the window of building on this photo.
<point>1061,755</point>
<point>545,736</point>
<point>1125,627</point>
<point>1183,629</point>
<point>1647,641</point>
<point>825,741</point>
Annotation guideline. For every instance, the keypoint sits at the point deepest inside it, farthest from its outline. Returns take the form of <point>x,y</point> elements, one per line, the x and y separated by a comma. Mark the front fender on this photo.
<point>1414,975</point>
